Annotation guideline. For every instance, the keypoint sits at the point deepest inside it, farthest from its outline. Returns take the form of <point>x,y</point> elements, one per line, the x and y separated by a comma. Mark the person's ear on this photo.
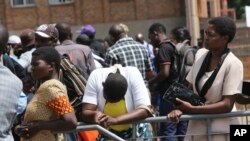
<point>52,66</point>
<point>226,38</point>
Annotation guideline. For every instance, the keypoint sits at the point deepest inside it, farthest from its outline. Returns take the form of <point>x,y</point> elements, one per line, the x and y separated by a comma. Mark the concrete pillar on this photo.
<point>224,11</point>
<point>193,22</point>
<point>215,9</point>
<point>202,8</point>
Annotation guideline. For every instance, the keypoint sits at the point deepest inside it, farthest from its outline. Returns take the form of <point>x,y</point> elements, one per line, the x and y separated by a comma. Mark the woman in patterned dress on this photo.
<point>49,112</point>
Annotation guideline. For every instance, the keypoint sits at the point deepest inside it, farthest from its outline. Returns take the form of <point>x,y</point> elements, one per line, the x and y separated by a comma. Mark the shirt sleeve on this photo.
<point>59,101</point>
<point>166,53</point>
<point>233,79</point>
<point>139,91</point>
<point>91,90</point>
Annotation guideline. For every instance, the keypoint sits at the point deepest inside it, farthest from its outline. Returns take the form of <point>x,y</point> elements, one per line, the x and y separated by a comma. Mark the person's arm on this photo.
<point>136,115</point>
<point>90,114</point>
<point>243,99</point>
<point>67,122</point>
<point>162,75</point>
<point>150,75</point>
<point>165,55</point>
<point>223,106</point>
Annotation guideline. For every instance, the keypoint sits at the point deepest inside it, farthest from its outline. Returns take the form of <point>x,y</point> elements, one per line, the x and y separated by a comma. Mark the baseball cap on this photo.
<point>14,39</point>
<point>47,31</point>
<point>27,37</point>
<point>88,30</point>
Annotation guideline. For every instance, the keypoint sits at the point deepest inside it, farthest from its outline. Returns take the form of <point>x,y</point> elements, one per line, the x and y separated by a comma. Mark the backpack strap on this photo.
<point>204,68</point>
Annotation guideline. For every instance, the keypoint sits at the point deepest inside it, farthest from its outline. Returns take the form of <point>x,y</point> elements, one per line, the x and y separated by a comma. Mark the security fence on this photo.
<point>243,114</point>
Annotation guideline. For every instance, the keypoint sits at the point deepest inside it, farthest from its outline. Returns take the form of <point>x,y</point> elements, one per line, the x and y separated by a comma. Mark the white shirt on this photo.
<point>136,95</point>
<point>25,58</point>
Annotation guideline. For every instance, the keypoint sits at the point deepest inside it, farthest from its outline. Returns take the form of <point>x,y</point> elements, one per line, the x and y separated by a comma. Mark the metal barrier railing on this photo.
<point>208,117</point>
<point>83,127</point>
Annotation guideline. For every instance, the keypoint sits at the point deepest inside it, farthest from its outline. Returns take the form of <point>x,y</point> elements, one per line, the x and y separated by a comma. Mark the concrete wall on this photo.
<point>135,26</point>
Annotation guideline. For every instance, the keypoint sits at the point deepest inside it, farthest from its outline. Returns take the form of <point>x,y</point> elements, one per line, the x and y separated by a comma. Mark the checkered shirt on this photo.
<point>131,53</point>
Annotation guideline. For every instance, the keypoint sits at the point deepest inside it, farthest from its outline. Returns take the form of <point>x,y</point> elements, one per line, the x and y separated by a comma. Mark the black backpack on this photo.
<point>75,81</point>
<point>183,57</point>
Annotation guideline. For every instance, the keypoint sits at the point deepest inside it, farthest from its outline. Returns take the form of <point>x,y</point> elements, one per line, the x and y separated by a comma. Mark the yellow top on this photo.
<point>114,110</point>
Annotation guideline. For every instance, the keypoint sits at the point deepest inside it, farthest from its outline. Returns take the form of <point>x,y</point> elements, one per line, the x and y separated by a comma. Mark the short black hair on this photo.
<point>64,31</point>
<point>181,34</point>
<point>50,55</point>
<point>83,39</point>
<point>224,26</point>
<point>115,87</point>
<point>158,28</point>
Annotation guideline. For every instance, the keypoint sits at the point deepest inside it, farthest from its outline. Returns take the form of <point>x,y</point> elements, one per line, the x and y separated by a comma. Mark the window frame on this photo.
<point>23,5</point>
<point>53,2</point>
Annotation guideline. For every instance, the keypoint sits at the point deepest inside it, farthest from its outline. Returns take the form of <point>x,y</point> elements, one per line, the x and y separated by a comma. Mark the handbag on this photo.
<point>177,90</point>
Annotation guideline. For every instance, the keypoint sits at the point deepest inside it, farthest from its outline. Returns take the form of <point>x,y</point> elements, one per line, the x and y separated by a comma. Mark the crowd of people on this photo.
<point>127,80</point>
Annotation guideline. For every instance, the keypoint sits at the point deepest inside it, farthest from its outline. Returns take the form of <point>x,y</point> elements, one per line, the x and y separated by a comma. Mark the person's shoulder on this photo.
<point>131,69</point>
<point>70,45</point>
<point>9,78</point>
<point>101,71</point>
<point>52,83</point>
<point>234,60</point>
<point>202,51</point>
<point>82,47</point>
<point>167,44</point>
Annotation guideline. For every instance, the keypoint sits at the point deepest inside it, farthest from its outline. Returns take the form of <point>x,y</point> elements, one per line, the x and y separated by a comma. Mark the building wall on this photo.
<point>89,11</point>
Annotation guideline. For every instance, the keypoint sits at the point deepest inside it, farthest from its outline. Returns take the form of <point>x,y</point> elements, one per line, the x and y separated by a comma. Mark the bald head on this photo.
<point>4,36</point>
<point>64,31</point>
<point>139,38</point>
<point>117,32</point>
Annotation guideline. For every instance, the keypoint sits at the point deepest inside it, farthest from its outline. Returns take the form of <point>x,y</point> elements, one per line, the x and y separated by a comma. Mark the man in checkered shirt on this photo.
<point>128,51</point>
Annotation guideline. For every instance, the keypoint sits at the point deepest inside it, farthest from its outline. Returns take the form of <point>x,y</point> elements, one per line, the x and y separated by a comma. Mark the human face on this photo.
<point>40,69</point>
<point>40,41</point>
<point>154,39</point>
<point>213,40</point>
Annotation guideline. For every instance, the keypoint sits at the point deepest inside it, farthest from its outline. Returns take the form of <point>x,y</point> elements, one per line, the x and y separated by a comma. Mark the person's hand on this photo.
<point>174,115</point>
<point>99,117</point>
<point>21,130</point>
<point>111,121</point>
<point>184,106</point>
<point>27,130</point>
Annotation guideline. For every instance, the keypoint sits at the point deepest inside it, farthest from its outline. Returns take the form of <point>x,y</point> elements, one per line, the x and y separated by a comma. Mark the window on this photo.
<point>22,3</point>
<point>60,1</point>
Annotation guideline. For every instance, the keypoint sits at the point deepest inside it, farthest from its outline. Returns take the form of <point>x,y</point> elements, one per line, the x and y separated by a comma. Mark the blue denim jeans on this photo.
<point>171,129</point>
